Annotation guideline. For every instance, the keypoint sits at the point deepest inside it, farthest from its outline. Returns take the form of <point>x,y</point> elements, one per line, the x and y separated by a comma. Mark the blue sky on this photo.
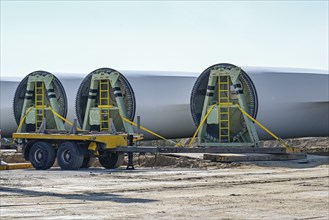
<point>80,36</point>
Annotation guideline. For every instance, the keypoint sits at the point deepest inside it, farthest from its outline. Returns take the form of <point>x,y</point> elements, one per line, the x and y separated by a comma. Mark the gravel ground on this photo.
<point>258,190</point>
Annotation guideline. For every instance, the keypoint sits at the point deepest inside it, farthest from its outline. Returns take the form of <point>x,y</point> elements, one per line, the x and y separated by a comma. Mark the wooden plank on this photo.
<point>252,157</point>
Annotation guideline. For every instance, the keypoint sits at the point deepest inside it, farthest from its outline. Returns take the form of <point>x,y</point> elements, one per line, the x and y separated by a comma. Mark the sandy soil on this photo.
<point>263,190</point>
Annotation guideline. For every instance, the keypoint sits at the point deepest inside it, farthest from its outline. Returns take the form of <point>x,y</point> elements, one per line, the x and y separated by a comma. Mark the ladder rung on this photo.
<point>104,101</point>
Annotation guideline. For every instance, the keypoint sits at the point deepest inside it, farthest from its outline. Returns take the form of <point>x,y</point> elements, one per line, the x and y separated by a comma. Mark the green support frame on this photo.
<point>216,110</point>
<point>96,112</point>
<point>37,86</point>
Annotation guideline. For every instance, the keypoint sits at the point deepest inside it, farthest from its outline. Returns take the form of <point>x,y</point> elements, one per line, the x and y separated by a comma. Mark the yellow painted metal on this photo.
<point>106,106</point>
<point>92,146</point>
<point>224,106</point>
<point>201,124</point>
<point>12,166</point>
<point>104,103</point>
<point>263,127</point>
<point>293,149</point>
<point>39,103</point>
<point>111,141</point>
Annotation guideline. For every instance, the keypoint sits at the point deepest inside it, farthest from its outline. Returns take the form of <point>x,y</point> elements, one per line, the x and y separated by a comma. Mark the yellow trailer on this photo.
<point>74,151</point>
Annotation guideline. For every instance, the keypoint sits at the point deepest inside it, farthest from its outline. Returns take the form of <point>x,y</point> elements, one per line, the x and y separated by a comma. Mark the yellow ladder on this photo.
<point>39,103</point>
<point>104,105</point>
<point>224,108</point>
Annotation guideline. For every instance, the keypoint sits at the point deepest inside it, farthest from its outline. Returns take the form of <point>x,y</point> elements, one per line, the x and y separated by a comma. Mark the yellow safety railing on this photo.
<point>149,131</point>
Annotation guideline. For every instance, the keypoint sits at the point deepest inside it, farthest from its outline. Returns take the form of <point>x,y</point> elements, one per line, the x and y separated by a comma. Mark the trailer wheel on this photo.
<point>68,156</point>
<point>88,161</point>
<point>110,160</point>
<point>42,155</point>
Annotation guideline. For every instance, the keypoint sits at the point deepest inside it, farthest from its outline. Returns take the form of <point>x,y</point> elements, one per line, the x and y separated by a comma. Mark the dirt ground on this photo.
<point>258,190</point>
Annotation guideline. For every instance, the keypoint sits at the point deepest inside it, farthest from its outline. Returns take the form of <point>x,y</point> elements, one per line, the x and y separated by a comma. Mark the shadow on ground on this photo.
<point>310,162</point>
<point>88,196</point>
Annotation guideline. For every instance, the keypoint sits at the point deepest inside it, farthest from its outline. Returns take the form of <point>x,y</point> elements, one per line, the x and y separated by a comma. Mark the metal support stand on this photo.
<point>130,165</point>
<point>42,128</point>
<point>220,107</point>
<point>73,129</point>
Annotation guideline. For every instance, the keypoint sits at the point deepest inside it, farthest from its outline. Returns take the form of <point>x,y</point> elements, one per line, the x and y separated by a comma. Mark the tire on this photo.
<point>110,160</point>
<point>88,161</point>
<point>42,155</point>
<point>68,156</point>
